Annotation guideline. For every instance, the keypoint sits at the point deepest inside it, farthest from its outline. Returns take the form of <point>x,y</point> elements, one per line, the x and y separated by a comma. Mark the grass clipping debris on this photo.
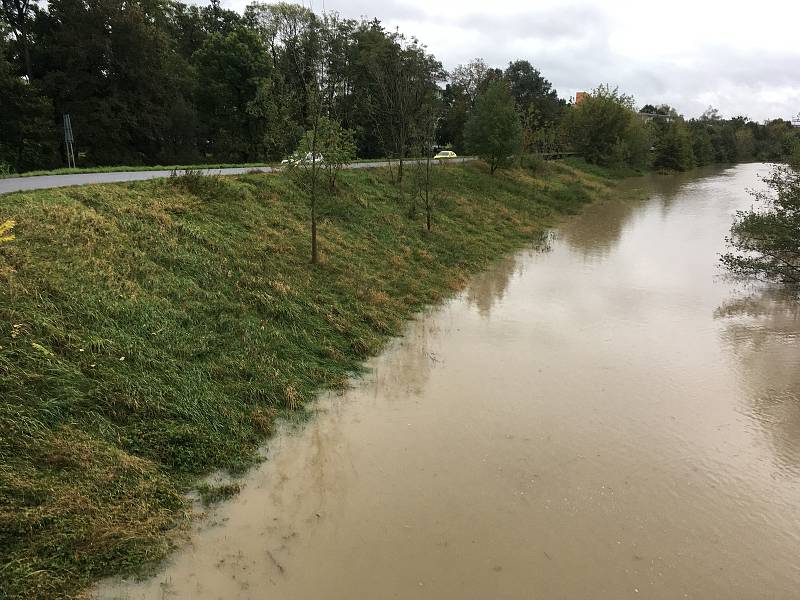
<point>153,331</point>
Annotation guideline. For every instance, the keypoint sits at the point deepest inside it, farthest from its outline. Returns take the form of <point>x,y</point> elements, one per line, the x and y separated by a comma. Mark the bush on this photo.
<point>493,131</point>
<point>531,162</point>
<point>674,147</point>
<point>766,241</point>
<point>598,125</point>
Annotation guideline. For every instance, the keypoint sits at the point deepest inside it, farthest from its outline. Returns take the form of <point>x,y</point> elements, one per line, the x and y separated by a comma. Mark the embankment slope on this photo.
<point>152,331</point>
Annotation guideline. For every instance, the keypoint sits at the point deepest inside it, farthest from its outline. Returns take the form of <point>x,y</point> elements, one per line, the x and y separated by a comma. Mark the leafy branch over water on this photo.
<point>765,241</point>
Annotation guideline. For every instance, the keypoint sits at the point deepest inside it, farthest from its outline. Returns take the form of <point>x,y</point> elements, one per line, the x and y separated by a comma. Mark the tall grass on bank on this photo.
<point>153,331</point>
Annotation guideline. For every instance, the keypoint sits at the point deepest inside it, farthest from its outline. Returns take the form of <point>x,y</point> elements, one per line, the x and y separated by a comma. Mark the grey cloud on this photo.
<point>570,45</point>
<point>569,23</point>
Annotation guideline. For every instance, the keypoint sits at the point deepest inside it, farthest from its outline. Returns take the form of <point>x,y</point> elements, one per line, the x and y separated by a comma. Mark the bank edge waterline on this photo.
<point>159,328</point>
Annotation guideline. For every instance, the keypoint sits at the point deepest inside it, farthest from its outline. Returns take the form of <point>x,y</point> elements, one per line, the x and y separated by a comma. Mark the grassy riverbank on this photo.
<point>153,331</point>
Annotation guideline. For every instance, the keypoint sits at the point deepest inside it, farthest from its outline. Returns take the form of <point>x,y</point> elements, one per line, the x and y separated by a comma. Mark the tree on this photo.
<point>674,146</point>
<point>190,25</point>
<point>776,140</point>
<point>423,172</point>
<point>470,78</point>
<point>745,144</point>
<point>633,148</point>
<point>233,95</point>
<point>711,114</point>
<point>18,14</point>
<point>405,81</point>
<point>723,139</point>
<point>702,148</point>
<point>28,139</point>
<point>160,81</point>
<point>665,110</point>
<point>493,131</point>
<point>765,242</point>
<point>424,188</point>
<point>458,99</point>
<point>333,143</point>
<point>455,112</point>
<point>113,67</point>
<point>292,35</point>
<point>307,171</point>
<point>534,95</point>
<point>596,125</point>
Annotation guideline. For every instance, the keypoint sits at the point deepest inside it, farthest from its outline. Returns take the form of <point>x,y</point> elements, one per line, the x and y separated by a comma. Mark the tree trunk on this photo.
<point>401,151</point>
<point>314,254</point>
<point>428,190</point>
<point>314,171</point>
<point>26,53</point>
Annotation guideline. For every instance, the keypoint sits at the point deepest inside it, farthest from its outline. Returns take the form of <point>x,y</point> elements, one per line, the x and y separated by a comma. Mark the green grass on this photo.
<point>619,172</point>
<point>211,494</point>
<point>152,332</point>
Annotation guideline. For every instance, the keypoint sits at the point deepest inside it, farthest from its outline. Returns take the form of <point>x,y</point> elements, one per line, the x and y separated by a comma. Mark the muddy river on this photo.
<point>609,419</point>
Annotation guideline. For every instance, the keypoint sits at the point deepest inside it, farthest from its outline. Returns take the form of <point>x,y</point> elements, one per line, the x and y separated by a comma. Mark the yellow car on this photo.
<point>445,154</point>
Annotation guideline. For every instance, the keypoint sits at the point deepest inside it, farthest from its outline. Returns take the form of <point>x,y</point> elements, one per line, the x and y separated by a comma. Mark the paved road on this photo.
<point>19,184</point>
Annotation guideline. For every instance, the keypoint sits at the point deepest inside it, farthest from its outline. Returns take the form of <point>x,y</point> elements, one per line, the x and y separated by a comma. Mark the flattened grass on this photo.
<point>151,332</point>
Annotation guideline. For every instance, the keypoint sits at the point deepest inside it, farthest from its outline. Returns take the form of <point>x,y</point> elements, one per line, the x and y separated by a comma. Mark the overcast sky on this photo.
<point>741,57</point>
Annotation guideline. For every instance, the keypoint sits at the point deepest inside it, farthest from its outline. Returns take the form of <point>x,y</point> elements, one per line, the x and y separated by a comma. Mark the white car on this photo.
<point>445,154</point>
<point>308,158</point>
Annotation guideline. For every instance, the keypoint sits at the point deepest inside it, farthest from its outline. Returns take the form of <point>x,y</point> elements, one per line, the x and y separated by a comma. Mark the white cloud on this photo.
<point>743,57</point>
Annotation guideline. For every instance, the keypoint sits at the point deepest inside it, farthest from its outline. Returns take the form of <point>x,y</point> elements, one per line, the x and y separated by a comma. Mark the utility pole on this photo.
<point>69,140</point>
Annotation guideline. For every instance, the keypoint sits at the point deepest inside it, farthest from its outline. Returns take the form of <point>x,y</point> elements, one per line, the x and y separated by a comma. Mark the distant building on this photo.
<point>580,97</point>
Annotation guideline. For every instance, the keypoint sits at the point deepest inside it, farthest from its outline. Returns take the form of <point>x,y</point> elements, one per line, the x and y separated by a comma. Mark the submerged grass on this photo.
<point>211,494</point>
<point>151,332</point>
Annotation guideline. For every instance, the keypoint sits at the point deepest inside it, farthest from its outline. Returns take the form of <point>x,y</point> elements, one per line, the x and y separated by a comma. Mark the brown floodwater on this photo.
<point>609,419</point>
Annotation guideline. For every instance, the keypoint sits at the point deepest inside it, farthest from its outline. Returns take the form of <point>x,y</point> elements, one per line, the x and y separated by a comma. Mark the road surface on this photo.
<point>20,184</point>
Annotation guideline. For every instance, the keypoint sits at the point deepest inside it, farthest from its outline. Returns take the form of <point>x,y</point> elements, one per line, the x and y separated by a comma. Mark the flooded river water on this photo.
<point>610,419</point>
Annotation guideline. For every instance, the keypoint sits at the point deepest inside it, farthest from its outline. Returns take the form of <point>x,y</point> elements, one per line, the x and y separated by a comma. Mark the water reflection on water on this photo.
<point>610,419</point>
<point>490,286</point>
<point>762,330</point>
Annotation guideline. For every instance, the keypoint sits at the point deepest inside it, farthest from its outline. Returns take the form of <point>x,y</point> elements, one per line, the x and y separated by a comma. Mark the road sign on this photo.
<point>69,141</point>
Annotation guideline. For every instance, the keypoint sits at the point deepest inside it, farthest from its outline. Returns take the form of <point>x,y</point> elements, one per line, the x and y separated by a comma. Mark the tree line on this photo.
<point>162,82</point>
<point>607,129</point>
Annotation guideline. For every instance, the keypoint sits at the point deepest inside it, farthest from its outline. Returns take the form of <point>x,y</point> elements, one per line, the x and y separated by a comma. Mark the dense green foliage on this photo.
<point>153,331</point>
<point>606,129</point>
<point>333,143</point>
<point>674,148</point>
<point>765,241</point>
<point>27,131</point>
<point>603,129</point>
<point>493,131</point>
<point>162,82</point>
<point>539,107</point>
